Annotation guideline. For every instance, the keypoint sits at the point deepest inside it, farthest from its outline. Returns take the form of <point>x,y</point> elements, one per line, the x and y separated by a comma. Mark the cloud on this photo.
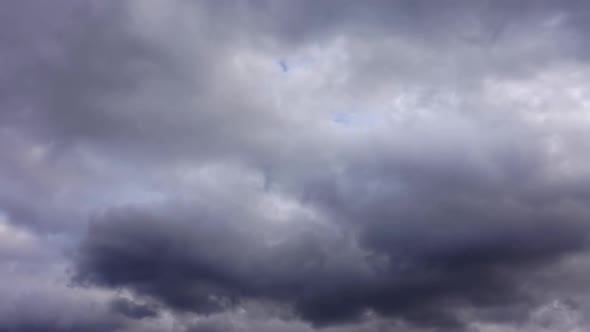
<point>404,165</point>
<point>420,259</point>
<point>131,309</point>
<point>46,311</point>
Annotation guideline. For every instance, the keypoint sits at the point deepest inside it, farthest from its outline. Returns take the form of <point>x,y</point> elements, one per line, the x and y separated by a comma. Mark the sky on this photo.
<point>294,166</point>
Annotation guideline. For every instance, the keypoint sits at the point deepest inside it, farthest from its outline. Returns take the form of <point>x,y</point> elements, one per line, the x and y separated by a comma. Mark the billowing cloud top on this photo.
<point>294,166</point>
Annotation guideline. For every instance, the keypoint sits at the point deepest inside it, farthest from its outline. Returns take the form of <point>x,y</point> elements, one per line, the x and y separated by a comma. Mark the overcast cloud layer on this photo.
<point>295,166</point>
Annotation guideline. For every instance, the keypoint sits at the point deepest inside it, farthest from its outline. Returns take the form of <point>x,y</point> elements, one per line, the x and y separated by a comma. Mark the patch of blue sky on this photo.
<point>284,65</point>
<point>354,119</point>
<point>342,118</point>
<point>290,65</point>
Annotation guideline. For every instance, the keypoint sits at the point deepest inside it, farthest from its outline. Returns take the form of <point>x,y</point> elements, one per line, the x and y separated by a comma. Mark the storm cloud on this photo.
<point>294,166</point>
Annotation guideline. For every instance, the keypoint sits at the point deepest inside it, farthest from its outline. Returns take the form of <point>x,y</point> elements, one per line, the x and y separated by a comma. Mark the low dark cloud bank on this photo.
<point>422,258</point>
<point>294,166</point>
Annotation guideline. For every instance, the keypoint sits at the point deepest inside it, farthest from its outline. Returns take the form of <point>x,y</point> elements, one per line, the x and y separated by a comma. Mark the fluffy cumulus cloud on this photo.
<point>294,166</point>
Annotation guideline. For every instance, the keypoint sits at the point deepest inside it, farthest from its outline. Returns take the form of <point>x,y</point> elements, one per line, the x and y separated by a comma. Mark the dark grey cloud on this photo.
<point>290,166</point>
<point>423,257</point>
<point>248,268</point>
